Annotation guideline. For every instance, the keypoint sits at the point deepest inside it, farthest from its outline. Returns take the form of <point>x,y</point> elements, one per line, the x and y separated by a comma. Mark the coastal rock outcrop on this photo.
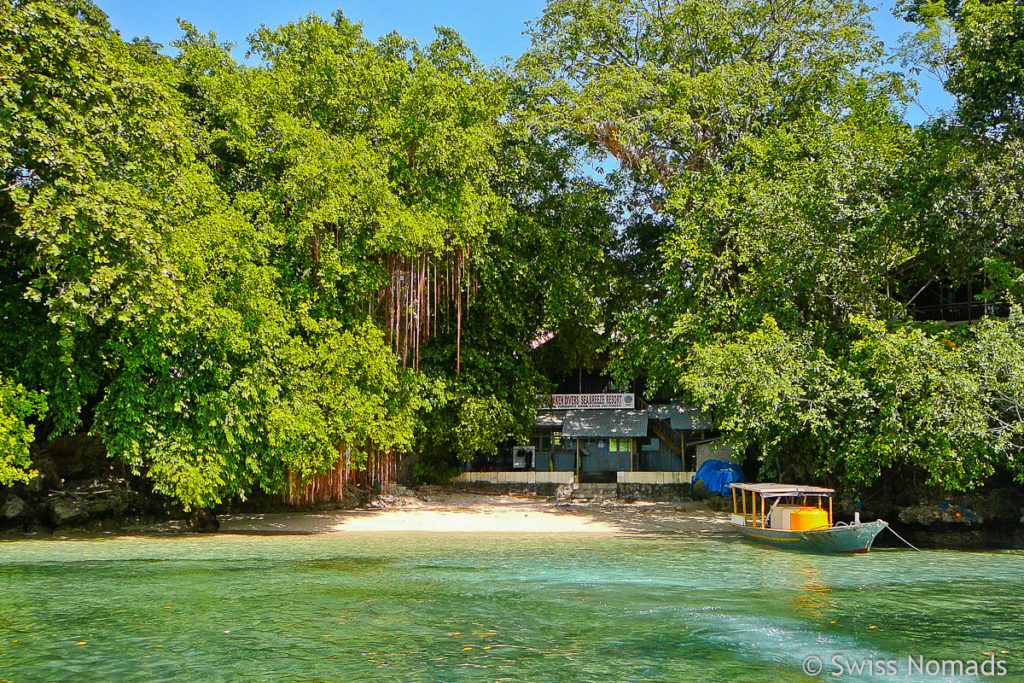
<point>926,515</point>
<point>66,511</point>
<point>991,517</point>
<point>14,508</point>
<point>77,485</point>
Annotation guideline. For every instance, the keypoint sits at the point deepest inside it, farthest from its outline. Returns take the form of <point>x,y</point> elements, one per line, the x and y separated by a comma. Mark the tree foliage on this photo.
<point>17,405</point>
<point>231,272</point>
<point>235,271</point>
<point>670,87</point>
<point>988,77</point>
<point>796,212</point>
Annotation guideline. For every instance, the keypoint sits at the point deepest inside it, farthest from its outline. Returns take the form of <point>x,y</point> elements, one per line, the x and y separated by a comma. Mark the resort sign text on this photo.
<point>580,401</point>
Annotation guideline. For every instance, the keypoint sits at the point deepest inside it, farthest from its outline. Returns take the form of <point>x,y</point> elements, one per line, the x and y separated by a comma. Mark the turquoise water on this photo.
<point>492,608</point>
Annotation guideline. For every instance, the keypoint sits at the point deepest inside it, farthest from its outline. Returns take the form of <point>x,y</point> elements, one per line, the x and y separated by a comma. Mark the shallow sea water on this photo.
<point>491,608</point>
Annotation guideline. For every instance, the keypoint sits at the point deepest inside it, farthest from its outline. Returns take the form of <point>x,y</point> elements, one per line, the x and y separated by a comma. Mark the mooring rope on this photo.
<point>901,538</point>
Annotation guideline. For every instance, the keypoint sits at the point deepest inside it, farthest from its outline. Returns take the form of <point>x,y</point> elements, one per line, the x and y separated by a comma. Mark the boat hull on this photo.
<point>838,539</point>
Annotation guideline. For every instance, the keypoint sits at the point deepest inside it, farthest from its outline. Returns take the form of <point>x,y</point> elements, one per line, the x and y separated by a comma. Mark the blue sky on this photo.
<point>493,29</point>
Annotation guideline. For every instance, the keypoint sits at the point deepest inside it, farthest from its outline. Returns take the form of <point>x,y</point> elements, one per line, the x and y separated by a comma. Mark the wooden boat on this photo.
<point>793,516</point>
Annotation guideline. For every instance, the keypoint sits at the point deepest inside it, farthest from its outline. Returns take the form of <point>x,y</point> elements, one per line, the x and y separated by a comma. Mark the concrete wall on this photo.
<point>640,485</point>
<point>568,477</point>
<point>515,478</point>
<point>654,477</point>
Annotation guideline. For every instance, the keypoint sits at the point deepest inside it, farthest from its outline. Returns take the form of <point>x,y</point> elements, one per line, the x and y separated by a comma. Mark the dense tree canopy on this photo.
<point>230,272</point>
<point>798,216</point>
<point>235,271</point>
<point>670,87</point>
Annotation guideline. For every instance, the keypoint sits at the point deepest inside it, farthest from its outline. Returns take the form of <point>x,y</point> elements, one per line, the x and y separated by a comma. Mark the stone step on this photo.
<point>595,491</point>
<point>597,487</point>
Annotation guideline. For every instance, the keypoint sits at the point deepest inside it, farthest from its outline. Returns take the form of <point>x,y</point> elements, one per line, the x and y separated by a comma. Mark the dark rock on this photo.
<point>111,502</point>
<point>203,521</point>
<point>65,511</point>
<point>14,507</point>
<point>943,512</point>
<point>700,490</point>
<point>989,517</point>
<point>989,506</point>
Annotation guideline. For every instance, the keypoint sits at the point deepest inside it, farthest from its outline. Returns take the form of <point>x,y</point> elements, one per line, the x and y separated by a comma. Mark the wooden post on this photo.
<point>830,511</point>
<point>682,447</point>
<point>743,494</point>
<point>733,499</point>
<point>577,459</point>
<point>762,511</point>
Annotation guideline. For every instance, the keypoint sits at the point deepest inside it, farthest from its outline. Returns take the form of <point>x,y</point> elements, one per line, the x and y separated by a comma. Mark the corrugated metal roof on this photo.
<point>553,420</point>
<point>605,423</point>
<point>690,420</point>
<point>680,417</point>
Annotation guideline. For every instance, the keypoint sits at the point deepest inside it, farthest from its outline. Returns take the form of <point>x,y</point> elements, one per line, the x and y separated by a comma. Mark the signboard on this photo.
<point>590,401</point>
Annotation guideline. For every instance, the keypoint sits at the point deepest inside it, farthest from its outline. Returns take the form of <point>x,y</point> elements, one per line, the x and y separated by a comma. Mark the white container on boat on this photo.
<point>780,516</point>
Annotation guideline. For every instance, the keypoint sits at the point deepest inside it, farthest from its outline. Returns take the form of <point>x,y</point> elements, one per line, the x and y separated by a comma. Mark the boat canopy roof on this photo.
<point>780,490</point>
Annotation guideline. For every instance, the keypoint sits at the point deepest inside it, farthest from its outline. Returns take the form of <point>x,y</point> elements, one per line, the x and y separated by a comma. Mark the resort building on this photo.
<point>607,437</point>
<point>597,436</point>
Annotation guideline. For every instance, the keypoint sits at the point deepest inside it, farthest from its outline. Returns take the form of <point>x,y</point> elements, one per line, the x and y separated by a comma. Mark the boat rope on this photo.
<point>901,538</point>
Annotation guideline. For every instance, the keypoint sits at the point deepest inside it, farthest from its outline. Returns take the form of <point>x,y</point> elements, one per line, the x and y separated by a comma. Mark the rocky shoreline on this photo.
<point>992,519</point>
<point>79,487</point>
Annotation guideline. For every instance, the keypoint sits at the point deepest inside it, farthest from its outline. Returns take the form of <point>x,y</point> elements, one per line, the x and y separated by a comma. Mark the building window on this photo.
<point>620,445</point>
<point>556,438</point>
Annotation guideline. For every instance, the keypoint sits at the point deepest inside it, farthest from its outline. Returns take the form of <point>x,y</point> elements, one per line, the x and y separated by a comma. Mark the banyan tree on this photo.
<point>368,167</point>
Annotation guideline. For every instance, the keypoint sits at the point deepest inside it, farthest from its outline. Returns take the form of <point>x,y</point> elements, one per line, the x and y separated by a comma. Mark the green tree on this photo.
<point>988,77</point>
<point>787,209</point>
<point>87,152</point>
<point>233,272</point>
<point>670,87</point>
<point>17,405</point>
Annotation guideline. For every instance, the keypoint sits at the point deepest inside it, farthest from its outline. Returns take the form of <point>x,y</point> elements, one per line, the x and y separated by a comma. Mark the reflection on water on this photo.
<point>340,607</point>
<point>813,599</point>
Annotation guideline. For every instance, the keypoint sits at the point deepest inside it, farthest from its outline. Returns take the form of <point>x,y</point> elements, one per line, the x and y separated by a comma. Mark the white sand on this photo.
<point>485,519</point>
<point>458,513</point>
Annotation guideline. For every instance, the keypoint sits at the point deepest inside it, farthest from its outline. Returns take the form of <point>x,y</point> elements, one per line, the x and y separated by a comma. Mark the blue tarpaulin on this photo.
<point>717,475</point>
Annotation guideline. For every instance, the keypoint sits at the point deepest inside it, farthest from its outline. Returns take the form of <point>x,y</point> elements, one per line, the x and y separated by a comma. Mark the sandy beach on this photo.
<point>483,519</point>
<point>462,513</point>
